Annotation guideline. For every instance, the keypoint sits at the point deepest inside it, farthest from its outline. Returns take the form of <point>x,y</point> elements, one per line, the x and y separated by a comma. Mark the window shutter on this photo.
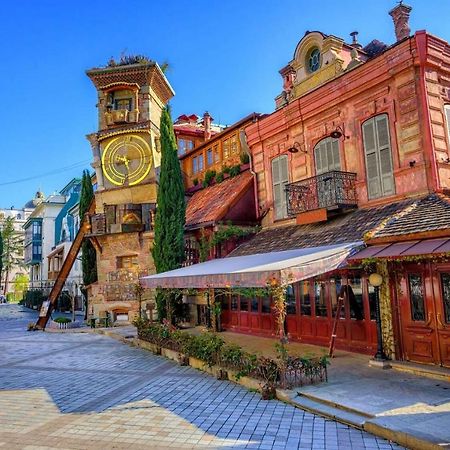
<point>373,182</point>
<point>275,171</point>
<point>318,158</point>
<point>377,147</point>
<point>447,121</point>
<point>284,175</point>
<point>387,176</point>
<point>335,152</point>
<point>326,155</point>
<point>280,177</point>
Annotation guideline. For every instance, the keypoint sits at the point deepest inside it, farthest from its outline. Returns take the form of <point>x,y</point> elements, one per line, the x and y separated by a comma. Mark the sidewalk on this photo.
<point>411,410</point>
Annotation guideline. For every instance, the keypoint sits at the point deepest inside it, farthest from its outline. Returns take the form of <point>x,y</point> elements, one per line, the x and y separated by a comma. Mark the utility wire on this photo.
<point>52,172</point>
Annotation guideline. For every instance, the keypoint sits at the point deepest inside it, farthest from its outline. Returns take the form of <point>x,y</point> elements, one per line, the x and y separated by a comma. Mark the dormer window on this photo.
<point>313,60</point>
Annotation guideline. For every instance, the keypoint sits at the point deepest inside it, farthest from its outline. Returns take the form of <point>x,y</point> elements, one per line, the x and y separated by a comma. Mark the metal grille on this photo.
<point>331,190</point>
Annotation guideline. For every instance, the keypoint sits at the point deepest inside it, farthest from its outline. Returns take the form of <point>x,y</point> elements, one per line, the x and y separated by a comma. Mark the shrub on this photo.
<point>245,158</point>
<point>219,178</point>
<point>206,347</point>
<point>235,170</point>
<point>62,320</point>
<point>209,177</point>
<point>285,371</point>
<point>195,181</point>
<point>33,299</point>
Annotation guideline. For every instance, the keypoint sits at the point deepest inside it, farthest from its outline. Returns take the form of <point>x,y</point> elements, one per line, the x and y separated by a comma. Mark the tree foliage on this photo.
<point>1,255</point>
<point>168,248</point>
<point>88,258</point>
<point>21,283</point>
<point>12,252</point>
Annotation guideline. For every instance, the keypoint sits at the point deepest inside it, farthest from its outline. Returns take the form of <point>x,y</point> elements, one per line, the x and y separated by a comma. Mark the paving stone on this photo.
<point>86,391</point>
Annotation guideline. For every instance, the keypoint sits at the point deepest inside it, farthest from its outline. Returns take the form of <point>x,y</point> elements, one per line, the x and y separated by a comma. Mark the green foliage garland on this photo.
<point>223,234</point>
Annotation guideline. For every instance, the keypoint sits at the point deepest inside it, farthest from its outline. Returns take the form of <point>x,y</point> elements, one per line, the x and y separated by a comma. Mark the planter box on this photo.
<point>249,383</point>
<point>148,346</point>
<point>174,356</point>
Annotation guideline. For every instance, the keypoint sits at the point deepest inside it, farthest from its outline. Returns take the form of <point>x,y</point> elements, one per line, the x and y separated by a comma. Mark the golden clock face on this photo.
<point>126,160</point>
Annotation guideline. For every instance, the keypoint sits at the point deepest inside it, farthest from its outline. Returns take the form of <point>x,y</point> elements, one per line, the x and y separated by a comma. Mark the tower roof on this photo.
<point>142,73</point>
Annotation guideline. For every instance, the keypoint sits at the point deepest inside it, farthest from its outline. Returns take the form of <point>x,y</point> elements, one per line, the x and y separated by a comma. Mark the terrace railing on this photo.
<point>331,190</point>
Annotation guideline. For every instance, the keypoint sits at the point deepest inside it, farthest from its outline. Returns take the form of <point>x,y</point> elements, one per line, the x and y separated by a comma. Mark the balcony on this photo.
<point>129,218</point>
<point>332,191</point>
<point>120,116</point>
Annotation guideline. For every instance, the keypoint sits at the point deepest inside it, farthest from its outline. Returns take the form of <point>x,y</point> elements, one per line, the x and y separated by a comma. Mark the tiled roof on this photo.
<point>212,203</point>
<point>349,227</point>
<point>429,213</point>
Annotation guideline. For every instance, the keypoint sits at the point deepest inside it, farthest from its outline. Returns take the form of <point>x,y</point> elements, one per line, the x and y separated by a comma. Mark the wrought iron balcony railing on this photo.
<point>331,190</point>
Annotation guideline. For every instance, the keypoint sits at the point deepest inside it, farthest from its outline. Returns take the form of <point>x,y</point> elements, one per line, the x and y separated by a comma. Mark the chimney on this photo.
<point>400,16</point>
<point>207,125</point>
<point>355,43</point>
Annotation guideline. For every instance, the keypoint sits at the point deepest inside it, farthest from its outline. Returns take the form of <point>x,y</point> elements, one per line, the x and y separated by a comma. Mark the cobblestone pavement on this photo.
<point>85,391</point>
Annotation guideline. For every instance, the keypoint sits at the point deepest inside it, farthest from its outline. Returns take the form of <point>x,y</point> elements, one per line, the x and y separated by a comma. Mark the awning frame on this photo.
<point>256,270</point>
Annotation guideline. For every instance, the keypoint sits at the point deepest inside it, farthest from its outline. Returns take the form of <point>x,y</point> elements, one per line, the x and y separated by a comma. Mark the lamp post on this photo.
<point>376,280</point>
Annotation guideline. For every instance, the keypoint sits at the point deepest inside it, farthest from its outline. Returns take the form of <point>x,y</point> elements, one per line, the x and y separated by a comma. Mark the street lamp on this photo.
<point>376,280</point>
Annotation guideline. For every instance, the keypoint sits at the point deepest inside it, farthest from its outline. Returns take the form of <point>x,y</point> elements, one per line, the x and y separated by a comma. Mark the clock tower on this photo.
<point>126,158</point>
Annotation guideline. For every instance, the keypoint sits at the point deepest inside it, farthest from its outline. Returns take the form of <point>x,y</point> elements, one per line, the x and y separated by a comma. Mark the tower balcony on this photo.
<point>121,116</point>
<point>330,191</point>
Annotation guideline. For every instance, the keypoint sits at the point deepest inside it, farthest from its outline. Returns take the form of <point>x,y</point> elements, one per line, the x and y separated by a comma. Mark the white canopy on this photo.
<point>256,270</point>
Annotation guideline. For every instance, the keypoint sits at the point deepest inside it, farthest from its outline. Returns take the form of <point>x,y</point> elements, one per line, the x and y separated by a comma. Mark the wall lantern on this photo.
<point>339,132</point>
<point>296,147</point>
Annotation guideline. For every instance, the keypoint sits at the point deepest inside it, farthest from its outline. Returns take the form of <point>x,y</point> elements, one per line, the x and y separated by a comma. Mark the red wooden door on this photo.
<point>255,318</point>
<point>244,314</point>
<point>418,316</point>
<point>225,316</point>
<point>267,325</point>
<point>306,319</point>
<point>234,311</point>
<point>441,285</point>
<point>322,313</point>
<point>292,317</point>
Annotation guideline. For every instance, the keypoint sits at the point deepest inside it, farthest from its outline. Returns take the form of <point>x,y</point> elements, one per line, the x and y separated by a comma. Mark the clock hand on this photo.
<point>123,160</point>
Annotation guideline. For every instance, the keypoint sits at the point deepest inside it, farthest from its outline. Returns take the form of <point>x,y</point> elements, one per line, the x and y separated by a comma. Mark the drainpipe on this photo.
<point>421,42</point>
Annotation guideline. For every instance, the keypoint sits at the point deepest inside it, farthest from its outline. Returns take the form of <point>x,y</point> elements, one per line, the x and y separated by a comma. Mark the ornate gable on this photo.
<point>318,58</point>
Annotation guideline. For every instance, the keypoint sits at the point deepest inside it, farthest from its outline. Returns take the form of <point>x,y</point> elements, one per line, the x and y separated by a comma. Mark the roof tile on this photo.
<point>212,203</point>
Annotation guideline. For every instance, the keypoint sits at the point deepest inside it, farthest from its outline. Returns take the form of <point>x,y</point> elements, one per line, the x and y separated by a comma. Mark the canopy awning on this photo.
<point>405,248</point>
<point>256,270</point>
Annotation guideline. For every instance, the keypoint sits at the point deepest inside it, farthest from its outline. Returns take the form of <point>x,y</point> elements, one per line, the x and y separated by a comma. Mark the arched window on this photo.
<point>326,156</point>
<point>378,154</point>
<point>313,60</point>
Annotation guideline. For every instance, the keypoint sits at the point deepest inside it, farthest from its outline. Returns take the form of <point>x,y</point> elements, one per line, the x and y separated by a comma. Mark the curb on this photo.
<point>369,424</point>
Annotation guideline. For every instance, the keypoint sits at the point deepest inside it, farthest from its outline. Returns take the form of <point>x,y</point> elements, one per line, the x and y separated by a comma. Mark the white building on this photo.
<point>20,216</point>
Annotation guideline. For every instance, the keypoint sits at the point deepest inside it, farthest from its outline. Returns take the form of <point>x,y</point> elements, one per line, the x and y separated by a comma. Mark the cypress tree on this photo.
<point>88,257</point>
<point>168,247</point>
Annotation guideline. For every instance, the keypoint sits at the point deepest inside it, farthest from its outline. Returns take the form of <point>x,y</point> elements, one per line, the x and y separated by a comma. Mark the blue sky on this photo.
<point>224,57</point>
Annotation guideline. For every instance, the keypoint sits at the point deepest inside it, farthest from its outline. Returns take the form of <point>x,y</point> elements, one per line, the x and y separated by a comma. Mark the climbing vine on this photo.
<point>223,234</point>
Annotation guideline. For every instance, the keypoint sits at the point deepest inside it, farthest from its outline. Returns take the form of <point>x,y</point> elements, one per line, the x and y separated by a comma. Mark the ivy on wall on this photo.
<point>223,234</point>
